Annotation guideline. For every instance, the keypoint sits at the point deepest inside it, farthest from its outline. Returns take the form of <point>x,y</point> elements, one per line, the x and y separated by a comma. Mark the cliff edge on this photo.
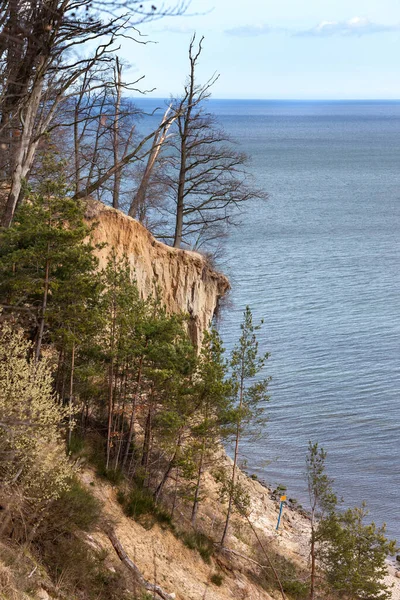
<point>186,280</point>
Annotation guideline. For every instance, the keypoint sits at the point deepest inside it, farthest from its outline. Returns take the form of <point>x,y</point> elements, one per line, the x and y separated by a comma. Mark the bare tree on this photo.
<point>207,179</point>
<point>39,41</point>
<point>138,207</point>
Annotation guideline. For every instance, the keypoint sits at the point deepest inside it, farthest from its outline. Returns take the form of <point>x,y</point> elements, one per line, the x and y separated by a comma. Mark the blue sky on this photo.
<point>294,49</point>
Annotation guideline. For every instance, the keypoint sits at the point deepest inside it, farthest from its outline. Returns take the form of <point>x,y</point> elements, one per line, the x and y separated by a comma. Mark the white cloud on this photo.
<point>184,29</point>
<point>250,30</point>
<point>355,26</point>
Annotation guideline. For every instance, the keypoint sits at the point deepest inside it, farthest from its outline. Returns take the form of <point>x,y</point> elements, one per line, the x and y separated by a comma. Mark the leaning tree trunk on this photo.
<point>235,462</point>
<point>139,200</point>
<point>23,156</point>
<point>155,589</point>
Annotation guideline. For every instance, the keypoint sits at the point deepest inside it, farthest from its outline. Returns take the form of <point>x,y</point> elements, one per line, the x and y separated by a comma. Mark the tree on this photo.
<point>141,202</point>
<point>121,307</point>
<point>207,179</point>
<point>322,500</point>
<point>353,555</point>
<point>250,395</point>
<point>214,392</point>
<point>44,254</point>
<point>34,468</point>
<point>37,42</point>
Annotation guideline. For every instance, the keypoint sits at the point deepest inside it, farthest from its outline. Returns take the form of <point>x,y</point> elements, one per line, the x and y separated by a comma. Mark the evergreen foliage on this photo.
<point>247,414</point>
<point>47,268</point>
<point>323,500</point>
<point>353,555</point>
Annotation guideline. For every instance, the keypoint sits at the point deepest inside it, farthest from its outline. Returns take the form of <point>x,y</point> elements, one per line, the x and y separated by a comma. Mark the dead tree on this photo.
<point>207,179</point>
<point>157,591</point>
<point>137,208</point>
<point>36,41</point>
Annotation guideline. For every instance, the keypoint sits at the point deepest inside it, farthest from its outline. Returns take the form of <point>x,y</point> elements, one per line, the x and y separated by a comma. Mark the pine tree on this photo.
<point>122,308</point>
<point>353,555</point>
<point>44,255</point>
<point>322,500</point>
<point>214,392</point>
<point>250,395</point>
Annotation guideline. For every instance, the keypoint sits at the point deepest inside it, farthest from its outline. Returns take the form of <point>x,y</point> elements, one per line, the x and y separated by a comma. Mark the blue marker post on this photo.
<point>283,498</point>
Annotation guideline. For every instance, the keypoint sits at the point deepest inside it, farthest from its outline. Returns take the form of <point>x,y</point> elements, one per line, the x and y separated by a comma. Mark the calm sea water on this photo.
<point>319,262</point>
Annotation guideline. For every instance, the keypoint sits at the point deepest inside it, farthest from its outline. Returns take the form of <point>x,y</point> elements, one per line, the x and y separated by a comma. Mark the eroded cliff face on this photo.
<point>186,281</point>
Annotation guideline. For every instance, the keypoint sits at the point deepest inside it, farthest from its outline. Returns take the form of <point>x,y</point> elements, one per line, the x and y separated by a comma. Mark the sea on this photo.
<point>319,263</point>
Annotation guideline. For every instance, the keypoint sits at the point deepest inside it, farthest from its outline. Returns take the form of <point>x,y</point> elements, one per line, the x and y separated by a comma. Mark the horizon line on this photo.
<point>148,97</point>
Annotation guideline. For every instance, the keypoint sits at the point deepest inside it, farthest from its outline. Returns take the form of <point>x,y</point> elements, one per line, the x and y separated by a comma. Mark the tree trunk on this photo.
<point>171,465</point>
<point>146,441</point>
<point>116,136</point>
<point>71,391</point>
<point>110,410</point>
<point>23,156</point>
<point>235,460</point>
<point>138,204</point>
<point>312,552</point>
<point>198,484</point>
<point>122,555</point>
<point>44,307</point>
<point>133,415</point>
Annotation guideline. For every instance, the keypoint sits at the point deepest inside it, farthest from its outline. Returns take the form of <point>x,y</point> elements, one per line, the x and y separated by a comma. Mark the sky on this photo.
<point>276,49</point>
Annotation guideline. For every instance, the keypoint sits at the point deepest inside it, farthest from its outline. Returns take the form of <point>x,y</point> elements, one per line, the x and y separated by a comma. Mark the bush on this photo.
<point>216,579</point>
<point>139,502</point>
<point>76,508</point>
<point>199,541</point>
<point>77,444</point>
<point>298,590</point>
<point>80,571</point>
<point>34,467</point>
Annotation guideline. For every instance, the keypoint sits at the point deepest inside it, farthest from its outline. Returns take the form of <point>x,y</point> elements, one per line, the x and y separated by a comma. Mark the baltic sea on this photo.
<point>320,263</point>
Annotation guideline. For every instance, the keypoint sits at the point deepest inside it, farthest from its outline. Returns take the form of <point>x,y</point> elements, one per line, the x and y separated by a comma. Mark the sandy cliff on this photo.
<point>186,280</point>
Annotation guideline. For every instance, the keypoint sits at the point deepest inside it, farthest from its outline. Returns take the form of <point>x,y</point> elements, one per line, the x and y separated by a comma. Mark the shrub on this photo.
<point>216,579</point>
<point>139,502</point>
<point>76,508</point>
<point>76,444</point>
<point>199,541</point>
<point>35,469</point>
<point>298,590</point>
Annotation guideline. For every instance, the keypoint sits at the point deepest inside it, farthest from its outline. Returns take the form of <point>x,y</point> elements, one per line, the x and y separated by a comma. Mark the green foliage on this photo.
<point>34,467</point>
<point>322,498</point>
<point>291,576</point>
<point>216,579</point>
<point>70,561</point>
<point>353,554</point>
<point>114,476</point>
<point>139,502</point>
<point>80,571</point>
<point>298,590</point>
<point>75,510</point>
<point>246,415</point>
<point>47,267</point>
<point>196,540</point>
<point>250,393</point>
<point>77,444</point>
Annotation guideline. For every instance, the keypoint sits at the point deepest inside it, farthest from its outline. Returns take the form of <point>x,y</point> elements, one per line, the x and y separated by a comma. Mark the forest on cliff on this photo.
<point>96,375</point>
